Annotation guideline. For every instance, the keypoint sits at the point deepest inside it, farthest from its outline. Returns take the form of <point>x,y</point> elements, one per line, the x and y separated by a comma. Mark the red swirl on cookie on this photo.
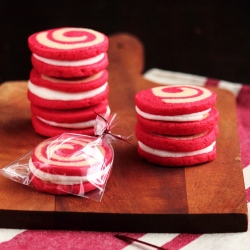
<point>70,163</point>
<point>175,100</point>
<point>68,43</point>
<point>181,94</point>
<point>70,85</point>
<point>71,156</point>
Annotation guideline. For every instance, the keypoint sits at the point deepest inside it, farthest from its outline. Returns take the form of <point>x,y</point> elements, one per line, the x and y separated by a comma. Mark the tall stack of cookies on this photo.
<point>176,125</point>
<point>68,84</point>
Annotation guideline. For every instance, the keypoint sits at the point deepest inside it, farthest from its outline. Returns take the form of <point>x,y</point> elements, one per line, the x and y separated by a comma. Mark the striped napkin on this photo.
<point>44,239</point>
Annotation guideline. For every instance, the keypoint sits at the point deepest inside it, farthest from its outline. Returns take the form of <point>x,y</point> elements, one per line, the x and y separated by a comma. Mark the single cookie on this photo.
<point>175,103</point>
<point>177,151</point>
<point>176,143</point>
<point>70,163</point>
<point>69,52</point>
<point>69,84</point>
<point>55,99</point>
<point>69,69</point>
<point>180,128</point>
<point>173,159</point>
<point>49,130</point>
<point>50,122</point>
<point>68,43</point>
<point>75,118</point>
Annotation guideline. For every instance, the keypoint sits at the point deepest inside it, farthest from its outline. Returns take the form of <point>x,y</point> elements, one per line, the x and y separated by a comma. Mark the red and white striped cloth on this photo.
<point>43,239</point>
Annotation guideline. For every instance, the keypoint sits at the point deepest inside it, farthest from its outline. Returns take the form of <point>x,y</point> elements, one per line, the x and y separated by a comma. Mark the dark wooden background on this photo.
<point>208,38</point>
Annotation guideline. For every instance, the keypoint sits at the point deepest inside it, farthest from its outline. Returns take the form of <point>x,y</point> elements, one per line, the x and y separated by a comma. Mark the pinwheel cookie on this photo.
<point>177,110</point>
<point>68,52</point>
<point>70,164</point>
<point>51,122</point>
<point>63,93</point>
<point>176,150</point>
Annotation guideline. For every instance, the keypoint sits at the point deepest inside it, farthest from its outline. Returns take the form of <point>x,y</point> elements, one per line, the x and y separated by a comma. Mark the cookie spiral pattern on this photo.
<point>72,156</point>
<point>69,38</point>
<point>181,94</point>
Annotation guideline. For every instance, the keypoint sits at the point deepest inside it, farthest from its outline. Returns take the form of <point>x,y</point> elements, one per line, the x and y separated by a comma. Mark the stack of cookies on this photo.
<point>68,84</point>
<point>176,125</point>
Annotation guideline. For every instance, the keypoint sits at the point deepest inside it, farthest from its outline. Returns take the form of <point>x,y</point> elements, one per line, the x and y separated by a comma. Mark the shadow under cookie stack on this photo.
<point>68,84</point>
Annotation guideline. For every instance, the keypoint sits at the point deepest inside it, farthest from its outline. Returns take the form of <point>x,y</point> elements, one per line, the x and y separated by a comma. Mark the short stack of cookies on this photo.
<point>177,125</point>
<point>68,84</point>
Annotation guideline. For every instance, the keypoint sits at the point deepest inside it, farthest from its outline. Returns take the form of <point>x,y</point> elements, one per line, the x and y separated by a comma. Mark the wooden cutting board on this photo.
<point>139,197</point>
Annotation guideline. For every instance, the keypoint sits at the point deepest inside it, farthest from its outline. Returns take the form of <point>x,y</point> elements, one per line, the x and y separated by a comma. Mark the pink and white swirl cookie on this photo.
<point>175,101</point>
<point>70,164</point>
<point>69,52</point>
<point>174,159</point>
<point>70,85</point>
<point>177,128</point>
<point>176,150</point>
<point>57,99</point>
<point>177,110</point>
<point>176,143</point>
<point>52,122</point>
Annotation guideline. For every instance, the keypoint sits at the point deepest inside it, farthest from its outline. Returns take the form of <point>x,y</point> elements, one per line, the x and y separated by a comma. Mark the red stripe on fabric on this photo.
<point>244,96</point>
<point>243,113</point>
<point>43,239</point>
<point>248,194</point>
<point>180,241</point>
<point>212,82</point>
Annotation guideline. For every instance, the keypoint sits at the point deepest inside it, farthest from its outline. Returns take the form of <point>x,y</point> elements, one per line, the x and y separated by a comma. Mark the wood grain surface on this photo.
<point>139,196</point>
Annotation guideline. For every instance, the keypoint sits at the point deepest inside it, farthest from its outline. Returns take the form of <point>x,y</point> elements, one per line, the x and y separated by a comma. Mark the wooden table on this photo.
<point>139,197</point>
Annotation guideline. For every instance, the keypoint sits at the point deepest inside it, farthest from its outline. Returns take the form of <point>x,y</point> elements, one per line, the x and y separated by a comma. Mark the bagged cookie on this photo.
<point>68,163</point>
